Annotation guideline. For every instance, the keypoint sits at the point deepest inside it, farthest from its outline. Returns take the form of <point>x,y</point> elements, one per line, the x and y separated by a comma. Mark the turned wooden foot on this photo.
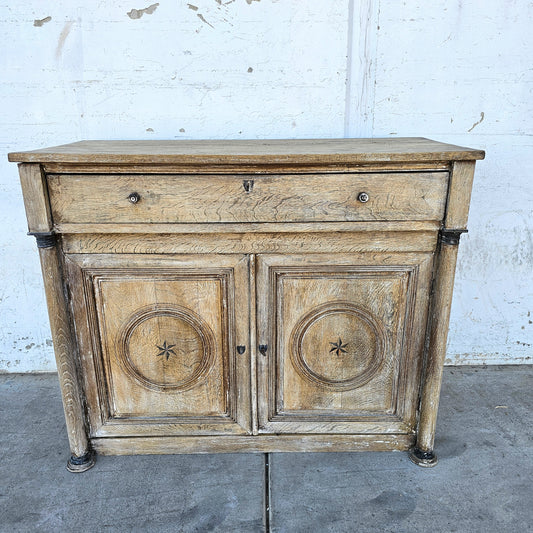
<point>81,464</point>
<point>421,458</point>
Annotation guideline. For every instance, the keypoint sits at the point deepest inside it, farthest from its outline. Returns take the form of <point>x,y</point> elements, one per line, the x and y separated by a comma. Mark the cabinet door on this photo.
<point>345,340</point>
<point>158,338</point>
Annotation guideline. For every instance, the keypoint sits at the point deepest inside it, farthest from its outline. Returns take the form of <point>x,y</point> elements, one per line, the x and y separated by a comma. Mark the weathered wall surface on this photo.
<point>454,71</point>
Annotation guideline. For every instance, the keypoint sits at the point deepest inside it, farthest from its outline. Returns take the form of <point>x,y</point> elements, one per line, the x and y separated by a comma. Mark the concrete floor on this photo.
<point>483,482</point>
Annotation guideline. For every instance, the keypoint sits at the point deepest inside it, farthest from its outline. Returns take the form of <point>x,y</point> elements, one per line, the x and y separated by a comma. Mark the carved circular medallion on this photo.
<point>338,345</point>
<point>166,347</point>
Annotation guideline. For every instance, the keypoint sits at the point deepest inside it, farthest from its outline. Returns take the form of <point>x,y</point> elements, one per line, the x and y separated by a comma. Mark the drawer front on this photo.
<point>277,198</point>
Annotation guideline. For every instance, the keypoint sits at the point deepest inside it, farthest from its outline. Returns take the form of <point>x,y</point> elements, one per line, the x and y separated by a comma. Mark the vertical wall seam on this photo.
<point>361,71</point>
<point>349,55</point>
<point>375,69</point>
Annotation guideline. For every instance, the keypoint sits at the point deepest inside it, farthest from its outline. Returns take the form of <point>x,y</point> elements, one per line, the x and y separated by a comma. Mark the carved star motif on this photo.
<point>338,347</point>
<point>166,350</point>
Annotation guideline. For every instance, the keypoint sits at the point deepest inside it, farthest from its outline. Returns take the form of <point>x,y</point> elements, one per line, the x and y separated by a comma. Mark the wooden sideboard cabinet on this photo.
<point>224,296</point>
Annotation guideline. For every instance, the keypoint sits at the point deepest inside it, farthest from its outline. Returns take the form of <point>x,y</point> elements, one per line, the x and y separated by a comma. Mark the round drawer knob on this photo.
<point>134,197</point>
<point>363,197</point>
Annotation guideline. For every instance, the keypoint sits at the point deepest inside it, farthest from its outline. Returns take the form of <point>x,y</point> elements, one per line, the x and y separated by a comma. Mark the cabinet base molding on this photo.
<point>254,444</point>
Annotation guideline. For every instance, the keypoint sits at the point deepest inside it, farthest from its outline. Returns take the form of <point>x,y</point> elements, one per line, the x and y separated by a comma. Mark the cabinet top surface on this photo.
<point>295,151</point>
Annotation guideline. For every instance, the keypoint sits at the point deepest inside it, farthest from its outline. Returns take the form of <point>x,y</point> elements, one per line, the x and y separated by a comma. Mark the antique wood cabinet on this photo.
<point>248,295</point>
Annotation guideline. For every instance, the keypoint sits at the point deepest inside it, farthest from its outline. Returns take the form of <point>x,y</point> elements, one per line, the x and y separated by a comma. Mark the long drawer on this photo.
<point>242,198</point>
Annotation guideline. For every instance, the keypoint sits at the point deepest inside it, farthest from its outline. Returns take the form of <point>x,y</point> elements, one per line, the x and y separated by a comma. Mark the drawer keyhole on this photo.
<point>363,197</point>
<point>248,185</point>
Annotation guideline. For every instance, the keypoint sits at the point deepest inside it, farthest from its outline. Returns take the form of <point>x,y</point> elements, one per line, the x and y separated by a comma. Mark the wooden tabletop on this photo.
<point>296,151</point>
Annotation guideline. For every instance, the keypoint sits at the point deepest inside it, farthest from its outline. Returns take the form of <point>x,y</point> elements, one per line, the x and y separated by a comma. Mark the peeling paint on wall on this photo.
<point>478,122</point>
<point>210,16</point>
<point>201,17</point>
<point>138,13</point>
<point>39,22</point>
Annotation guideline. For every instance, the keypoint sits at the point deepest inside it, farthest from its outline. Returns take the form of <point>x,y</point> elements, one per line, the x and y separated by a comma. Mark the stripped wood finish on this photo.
<point>459,195</point>
<point>438,334</point>
<point>163,333</point>
<point>258,444</point>
<point>35,193</point>
<point>243,168</point>
<point>392,241</point>
<point>211,198</point>
<point>249,295</point>
<point>66,354</point>
<point>272,152</point>
<point>250,227</point>
<point>346,338</point>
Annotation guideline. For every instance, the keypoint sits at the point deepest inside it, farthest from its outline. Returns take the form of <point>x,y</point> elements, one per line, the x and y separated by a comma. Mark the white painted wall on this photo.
<point>455,71</point>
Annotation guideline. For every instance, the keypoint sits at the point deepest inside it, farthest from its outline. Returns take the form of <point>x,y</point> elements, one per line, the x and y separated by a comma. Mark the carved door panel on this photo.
<point>344,338</point>
<point>159,341</point>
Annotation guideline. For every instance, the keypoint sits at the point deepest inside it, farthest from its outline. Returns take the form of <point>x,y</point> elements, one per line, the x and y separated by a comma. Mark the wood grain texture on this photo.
<point>253,341</point>
<point>134,314</point>
<point>211,198</point>
<point>436,353</point>
<point>258,444</point>
<point>461,179</point>
<point>244,168</point>
<point>345,336</point>
<point>318,151</point>
<point>248,300</point>
<point>35,193</point>
<point>250,227</point>
<point>65,349</point>
<point>393,241</point>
